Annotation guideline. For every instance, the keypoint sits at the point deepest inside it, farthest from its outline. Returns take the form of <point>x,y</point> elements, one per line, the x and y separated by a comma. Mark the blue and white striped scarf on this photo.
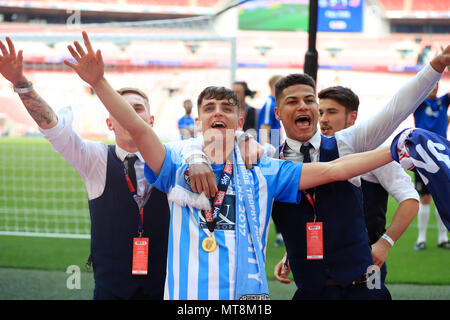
<point>251,281</point>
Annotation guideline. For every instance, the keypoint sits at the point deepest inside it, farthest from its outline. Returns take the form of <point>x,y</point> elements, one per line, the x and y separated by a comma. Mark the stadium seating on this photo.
<point>182,3</point>
<point>392,4</point>
<point>430,5</point>
<point>415,5</point>
<point>169,71</point>
<point>207,3</point>
<point>38,50</point>
<point>283,48</point>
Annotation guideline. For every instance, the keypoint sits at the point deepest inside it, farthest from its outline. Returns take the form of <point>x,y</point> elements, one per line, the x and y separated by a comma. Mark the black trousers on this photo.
<point>138,294</point>
<point>350,292</point>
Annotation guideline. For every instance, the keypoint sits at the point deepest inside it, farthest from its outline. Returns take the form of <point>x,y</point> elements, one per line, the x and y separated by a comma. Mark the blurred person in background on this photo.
<point>249,113</point>
<point>186,124</point>
<point>267,119</point>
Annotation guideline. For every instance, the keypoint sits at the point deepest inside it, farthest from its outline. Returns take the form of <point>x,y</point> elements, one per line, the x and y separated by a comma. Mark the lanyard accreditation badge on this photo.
<point>314,234</point>
<point>140,243</point>
<point>209,244</point>
<point>314,230</point>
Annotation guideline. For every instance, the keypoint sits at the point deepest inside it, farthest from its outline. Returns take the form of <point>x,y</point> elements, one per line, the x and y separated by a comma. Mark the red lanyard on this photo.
<point>311,200</point>
<point>140,201</point>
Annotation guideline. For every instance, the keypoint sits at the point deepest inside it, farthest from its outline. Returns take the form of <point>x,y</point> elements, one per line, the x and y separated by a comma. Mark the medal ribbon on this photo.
<point>224,181</point>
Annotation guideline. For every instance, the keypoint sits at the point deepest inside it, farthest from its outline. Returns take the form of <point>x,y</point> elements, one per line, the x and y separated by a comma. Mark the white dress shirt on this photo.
<point>393,178</point>
<point>89,158</point>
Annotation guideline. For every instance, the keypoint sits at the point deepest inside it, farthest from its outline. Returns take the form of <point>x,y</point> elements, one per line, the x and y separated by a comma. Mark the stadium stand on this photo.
<point>434,5</point>
<point>282,48</point>
<point>113,3</point>
<point>392,4</point>
<point>172,70</point>
<point>415,5</point>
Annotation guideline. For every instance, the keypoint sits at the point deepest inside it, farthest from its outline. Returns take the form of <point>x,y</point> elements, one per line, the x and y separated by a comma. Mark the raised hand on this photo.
<point>89,65</point>
<point>11,64</point>
<point>442,49</point>
<point>252,151</point>
<point>442,60</point>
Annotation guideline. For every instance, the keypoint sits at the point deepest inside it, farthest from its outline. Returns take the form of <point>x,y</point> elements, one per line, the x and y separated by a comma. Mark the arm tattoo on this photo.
<point>39,110</point>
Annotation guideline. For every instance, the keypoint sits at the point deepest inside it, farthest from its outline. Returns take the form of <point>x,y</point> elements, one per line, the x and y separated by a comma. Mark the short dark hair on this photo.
<point>218,93</point>
<point>291,80</point>
<point>342,95</point>
<point>137,91</point>
<point>247,91</point>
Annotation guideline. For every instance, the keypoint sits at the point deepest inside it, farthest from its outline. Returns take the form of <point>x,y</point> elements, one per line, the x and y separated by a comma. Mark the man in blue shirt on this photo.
<point>186,124</point>
<point>432,116</point>
<point>249,113</point>
<point>266,118</point>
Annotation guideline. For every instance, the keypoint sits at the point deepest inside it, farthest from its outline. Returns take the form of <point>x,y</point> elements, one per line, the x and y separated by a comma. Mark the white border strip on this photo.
<point>45,235</point>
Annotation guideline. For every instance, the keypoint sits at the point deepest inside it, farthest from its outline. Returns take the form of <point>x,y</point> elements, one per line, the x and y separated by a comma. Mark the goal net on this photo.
<point>171,61</point>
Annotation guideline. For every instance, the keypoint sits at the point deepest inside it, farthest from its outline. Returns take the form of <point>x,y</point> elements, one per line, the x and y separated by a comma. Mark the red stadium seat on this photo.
<point>392,5</point>
<point>416,5</point>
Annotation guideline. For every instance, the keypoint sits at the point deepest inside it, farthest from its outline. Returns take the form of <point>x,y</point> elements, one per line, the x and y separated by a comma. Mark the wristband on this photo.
<point>388,239</point>
<point>198,160</point>
<point>192,153</point>
<point>201,159</point>
<point>26,89</point>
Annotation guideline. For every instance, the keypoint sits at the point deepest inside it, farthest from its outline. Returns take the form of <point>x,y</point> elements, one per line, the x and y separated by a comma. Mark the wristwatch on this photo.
<point>28,88</point>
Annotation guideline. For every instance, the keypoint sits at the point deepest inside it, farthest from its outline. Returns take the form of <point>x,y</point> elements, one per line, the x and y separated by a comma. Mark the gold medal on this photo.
<point>209,244</point>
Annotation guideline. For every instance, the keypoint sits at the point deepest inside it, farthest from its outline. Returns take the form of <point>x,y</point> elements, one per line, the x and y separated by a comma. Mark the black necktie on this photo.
<point>304,150</point>
<point>131,159</point>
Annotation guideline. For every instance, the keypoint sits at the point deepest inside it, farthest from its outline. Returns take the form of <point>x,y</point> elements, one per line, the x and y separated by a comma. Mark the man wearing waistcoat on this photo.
<point>338,109</point>
<point>340,271</point>
<point>115,217</point>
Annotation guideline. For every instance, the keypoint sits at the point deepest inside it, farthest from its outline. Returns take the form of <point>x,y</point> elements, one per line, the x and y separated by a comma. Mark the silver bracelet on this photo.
<point>26,89</point>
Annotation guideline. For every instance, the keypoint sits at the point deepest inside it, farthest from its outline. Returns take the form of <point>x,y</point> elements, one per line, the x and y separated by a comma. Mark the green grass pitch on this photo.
<point>275,17</point>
